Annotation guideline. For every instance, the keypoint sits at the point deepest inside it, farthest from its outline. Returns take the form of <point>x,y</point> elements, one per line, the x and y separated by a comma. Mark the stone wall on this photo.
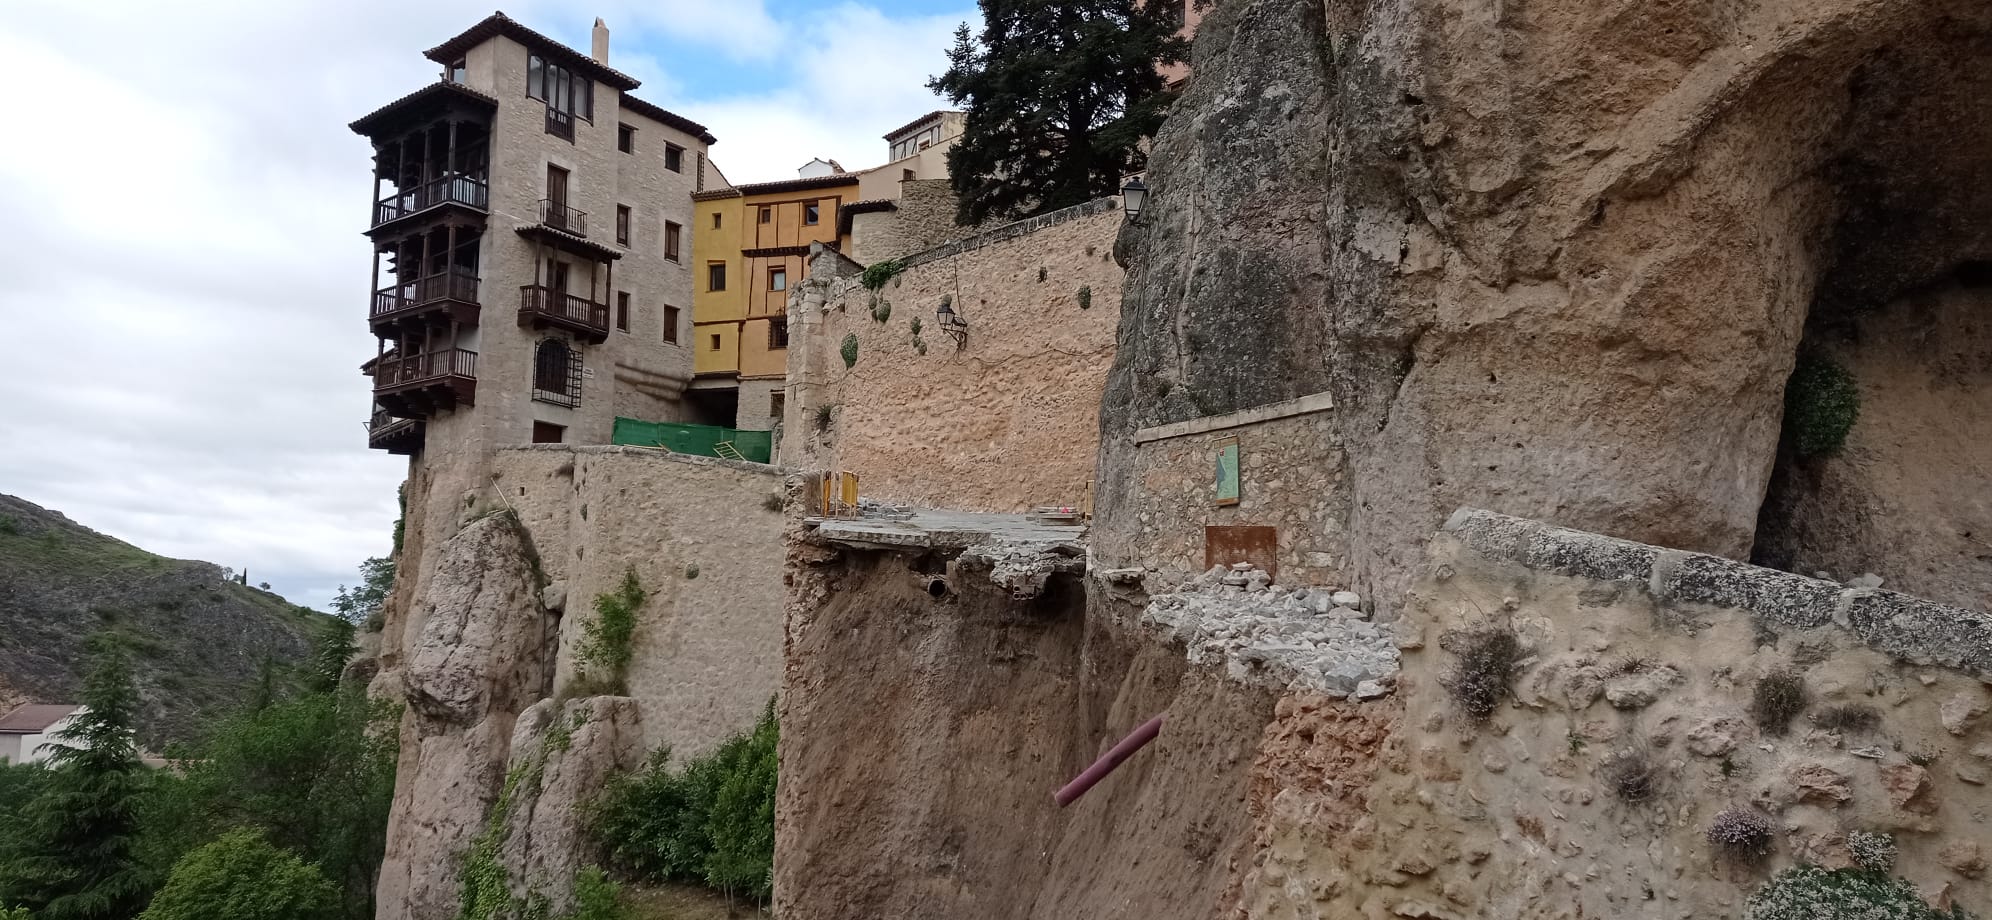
<point>1283,483</point>
<point>1002,423</point>
<point>923,217</point>
<point>703,536</point>
<point>1627,727</point>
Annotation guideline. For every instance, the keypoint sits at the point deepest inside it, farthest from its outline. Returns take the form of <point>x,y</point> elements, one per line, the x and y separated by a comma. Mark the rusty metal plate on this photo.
<point>1225,544</point>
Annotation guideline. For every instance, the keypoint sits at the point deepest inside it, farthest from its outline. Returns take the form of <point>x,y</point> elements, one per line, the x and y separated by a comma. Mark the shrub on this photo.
<point>823,412</point>
<point>242,877</point>
<point>14,913</point>
<point>605,641</point>
<point>713,822</point>
<point>596,896</point>
<point>1778,698</point>
<point>1741,834</point>
<point>849,350</point>
<point>1630,776</point>
<point>1822,403</point>
<point>878,273</point>
<point>1484,660</point>
<point>1086,298</point>
<point>1871,851</point>
<point>1808,892</point>
<point>1848,717</point>
<point>916,325</point>
<point>881,309</point>
<point>10,527</point>
<point>773,501</point>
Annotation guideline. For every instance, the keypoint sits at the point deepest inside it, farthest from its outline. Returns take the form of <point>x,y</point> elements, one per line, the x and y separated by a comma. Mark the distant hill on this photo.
<point>199,640</point>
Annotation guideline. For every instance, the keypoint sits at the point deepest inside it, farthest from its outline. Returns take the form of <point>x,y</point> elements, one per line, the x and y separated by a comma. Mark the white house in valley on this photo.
<point>27,732</point>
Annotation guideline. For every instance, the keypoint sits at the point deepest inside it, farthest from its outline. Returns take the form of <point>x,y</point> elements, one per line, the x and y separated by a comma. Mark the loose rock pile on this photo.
<point>1313,638</point>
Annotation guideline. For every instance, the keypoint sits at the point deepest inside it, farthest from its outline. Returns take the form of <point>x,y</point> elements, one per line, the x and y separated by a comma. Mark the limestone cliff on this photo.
<point>1556,259</point>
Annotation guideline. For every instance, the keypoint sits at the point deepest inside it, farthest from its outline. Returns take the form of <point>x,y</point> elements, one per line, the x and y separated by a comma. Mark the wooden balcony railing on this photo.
<point>396,371</point>
<point>453,284</point>
<point>458,188</point>
<point>560,124</point>
<point>555,213</point>
<point>540,303</point>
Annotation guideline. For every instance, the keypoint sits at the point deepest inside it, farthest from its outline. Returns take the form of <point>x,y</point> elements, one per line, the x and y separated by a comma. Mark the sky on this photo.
<point>181,208</point>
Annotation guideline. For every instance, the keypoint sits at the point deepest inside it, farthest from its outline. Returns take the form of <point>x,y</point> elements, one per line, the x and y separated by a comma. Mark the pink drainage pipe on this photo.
<point>1107,762</point>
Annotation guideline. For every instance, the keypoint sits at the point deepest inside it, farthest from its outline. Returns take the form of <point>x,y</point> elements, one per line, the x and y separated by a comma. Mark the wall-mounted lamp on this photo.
<point>952,324</point>
<point>1134,195</point>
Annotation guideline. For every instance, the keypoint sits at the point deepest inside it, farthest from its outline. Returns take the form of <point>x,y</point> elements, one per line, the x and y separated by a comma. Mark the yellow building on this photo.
<point>750,243</point>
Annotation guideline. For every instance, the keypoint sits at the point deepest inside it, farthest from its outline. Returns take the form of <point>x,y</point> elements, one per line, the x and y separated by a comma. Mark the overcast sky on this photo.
<point>180,217</point>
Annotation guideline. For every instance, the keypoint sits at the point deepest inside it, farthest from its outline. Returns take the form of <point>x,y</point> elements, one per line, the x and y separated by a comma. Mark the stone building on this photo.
<point>528,166</point>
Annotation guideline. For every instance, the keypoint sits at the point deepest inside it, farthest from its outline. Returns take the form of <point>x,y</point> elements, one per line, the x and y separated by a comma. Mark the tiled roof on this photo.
<point>35,717</point>
<point>434,93</point>
<point>672,119</point>
<point>572,242</point>
<point>714,194</point>
<point>500,24</point>
<point>917,122</point>
<point>798,185</point>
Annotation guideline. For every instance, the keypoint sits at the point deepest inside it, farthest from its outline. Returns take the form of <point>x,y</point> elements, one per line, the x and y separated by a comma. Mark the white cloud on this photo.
<point>184,304</point>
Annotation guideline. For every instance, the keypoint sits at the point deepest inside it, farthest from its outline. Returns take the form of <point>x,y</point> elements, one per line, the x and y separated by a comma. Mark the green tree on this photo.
<point>1059,95</point>
<point>240,876</point>
<point>333,647</point>
<point>358,603</point>
<point>742,822</point>
<point>73,857</point>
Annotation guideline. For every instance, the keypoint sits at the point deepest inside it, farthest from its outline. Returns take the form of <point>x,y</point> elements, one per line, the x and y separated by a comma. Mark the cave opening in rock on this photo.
<point>1902,312</point>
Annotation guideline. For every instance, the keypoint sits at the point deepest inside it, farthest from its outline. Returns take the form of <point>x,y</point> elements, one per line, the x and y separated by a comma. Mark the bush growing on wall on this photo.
<point>1821,405</point>
<point>711,823</point>
<point>849,350</point>
<point>878,273</point>
<point>1808,892</point>
<point>1483,661</point>
<point>605,641</point>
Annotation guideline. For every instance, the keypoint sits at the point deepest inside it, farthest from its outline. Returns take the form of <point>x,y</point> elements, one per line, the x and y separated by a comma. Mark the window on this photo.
<point>458,71</point>
<point>622,311</point>
<point>670,325</point>
<point>716,276</point>
<point>778,333</point>
<point>674,158</point>
<point>622,224</point>
<point>559,87</point>
<point>556,197</point>
<point>548,433</point>
<point>556,373</point>
<point>810,214</point>
<point>715,341</point>
<point>776,403</point>
<point>672,234</point>
<point>907,175</point>
<point>715,221</point>
<point>625,138</point>
<point>778,279</point>
<point>767,215</point>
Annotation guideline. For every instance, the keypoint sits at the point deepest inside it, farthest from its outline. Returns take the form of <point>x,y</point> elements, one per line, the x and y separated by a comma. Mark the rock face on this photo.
<point>1557,260</point>
<point>572,750</point>
<point>485,653</point>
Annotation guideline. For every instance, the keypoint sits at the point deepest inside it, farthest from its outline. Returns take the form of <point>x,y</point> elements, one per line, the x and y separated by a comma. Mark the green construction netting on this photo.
<point>703,440</point>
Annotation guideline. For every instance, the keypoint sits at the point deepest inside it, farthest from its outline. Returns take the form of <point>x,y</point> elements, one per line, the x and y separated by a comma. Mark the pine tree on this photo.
<point>1059,95</point>
<point>332,648</point>
<point>73,858</point>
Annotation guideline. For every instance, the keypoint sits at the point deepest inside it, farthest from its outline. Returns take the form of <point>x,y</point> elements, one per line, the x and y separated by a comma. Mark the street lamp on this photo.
<point>1133,196</point>
<point>952,324</point>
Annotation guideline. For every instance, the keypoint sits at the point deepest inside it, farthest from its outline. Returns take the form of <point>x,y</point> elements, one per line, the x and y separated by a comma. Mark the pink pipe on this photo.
<point>1107,762</point>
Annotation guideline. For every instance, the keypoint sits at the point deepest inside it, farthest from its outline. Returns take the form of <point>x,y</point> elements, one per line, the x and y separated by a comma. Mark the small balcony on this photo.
<point>541,307</point>
<point>468,191</point>
<point>556,214</point>
<point>560,124</point>
<point>402,436</point>
<point>441,298</point>
<point>420,385</point>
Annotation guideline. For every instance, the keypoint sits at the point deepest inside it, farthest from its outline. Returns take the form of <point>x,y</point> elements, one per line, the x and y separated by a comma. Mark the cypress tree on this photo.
<point>1060,95</point>
<point>74,856</point>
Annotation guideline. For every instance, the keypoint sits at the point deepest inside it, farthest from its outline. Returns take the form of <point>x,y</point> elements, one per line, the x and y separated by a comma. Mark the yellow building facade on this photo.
<point>750,244</point>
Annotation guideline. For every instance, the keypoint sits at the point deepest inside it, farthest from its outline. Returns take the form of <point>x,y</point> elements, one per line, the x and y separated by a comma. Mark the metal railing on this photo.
<point>394,371</point>
<point>450,284</point>
<point>466,189</point>
<point>543,301</point>
<point>555,213</point>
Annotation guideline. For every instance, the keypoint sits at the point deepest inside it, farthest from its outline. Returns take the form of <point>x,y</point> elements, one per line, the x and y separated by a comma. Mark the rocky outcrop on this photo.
<point>1557,259</point>
<point>484,654</point>
<point>570,750</point>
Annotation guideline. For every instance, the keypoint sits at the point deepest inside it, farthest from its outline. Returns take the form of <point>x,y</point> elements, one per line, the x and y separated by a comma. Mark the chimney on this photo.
<point>600,52</point>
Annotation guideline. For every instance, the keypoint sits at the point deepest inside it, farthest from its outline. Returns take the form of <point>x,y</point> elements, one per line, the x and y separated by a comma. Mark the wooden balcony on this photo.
<point>556,214</point>
<point>420,385</point>
<point>401,436</point>
<point>541,307</point>
<point>465,191</point>
<point>449,296</point>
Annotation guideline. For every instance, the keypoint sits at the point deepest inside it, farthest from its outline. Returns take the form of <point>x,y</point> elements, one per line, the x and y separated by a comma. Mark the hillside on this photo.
<point>199,640</point>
